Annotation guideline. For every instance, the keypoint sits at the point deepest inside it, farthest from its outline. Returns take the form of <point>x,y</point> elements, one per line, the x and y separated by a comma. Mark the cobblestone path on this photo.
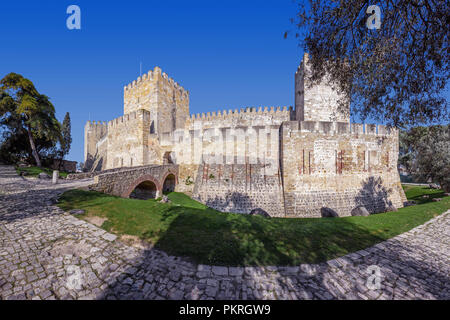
<point>46,253</point>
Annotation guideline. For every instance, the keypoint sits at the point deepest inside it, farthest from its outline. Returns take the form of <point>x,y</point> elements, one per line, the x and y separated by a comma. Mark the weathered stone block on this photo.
<point>360,211</point>
<point>328,213</point>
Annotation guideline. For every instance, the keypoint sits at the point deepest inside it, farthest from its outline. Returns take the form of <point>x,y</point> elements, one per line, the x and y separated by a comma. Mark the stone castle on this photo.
<point>305,161</point>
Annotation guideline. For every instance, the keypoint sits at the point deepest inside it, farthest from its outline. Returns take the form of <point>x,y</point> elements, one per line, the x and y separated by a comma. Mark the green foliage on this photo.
<point>26,115</point>
<point>15,145</point>
<point>417,193</point>
<point>34,171</point>
<point>187,228</point>
<point>66,140</point>
<point>188,181</point>
<point>425,152</point>
<point>396,74</point>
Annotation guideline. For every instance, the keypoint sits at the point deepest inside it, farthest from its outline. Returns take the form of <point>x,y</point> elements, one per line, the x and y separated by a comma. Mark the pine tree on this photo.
<point>31,112</point>
<point>66,137</point>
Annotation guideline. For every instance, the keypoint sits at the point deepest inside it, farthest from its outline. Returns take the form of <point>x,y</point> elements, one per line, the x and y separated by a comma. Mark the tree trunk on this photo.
<point>33,148</point>
<point>60,167</point>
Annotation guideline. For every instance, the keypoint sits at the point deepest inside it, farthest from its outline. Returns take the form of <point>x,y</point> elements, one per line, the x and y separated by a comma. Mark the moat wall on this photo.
<point>339,166</point>
<point>323,165</point>
<point>239,188</point>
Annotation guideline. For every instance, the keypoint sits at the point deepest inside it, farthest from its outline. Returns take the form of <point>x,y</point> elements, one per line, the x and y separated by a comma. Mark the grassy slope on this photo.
<point>34,171</point>
<point>188,228</point>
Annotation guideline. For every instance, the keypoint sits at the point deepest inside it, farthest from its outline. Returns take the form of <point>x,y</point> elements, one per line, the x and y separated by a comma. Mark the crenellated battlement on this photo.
<point>289,162</point>
<point>95,123</point>
<point>165,99</point>
<point>335,128</point>
<point>129,117</point>
<point>154,75</point>
<point>243,112</point>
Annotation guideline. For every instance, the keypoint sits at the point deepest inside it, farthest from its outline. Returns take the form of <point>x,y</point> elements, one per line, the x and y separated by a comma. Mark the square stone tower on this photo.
<point>316,102</point>
<point>166,100</point>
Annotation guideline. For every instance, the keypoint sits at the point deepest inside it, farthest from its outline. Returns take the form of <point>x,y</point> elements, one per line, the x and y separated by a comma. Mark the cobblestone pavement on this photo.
<point>46,253</point>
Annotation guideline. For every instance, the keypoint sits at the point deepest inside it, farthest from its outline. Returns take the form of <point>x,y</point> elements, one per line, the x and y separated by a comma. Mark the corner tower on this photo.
<point>317,102</point>
<point>166,100</point>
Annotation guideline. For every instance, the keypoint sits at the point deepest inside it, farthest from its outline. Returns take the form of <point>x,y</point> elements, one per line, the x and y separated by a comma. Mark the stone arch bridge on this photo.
<point>140,182</point>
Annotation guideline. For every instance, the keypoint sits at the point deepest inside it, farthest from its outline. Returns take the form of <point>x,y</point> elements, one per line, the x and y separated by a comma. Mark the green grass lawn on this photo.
<point>416,193</point>
<point>34,171</point>
<point>187,228</point>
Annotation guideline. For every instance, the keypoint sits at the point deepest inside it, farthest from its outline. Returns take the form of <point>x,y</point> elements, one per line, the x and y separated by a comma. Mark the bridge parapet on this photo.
<point>122,183</point>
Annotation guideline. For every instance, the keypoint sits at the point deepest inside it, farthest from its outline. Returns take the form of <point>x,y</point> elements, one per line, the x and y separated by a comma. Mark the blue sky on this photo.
<point>228,54</point>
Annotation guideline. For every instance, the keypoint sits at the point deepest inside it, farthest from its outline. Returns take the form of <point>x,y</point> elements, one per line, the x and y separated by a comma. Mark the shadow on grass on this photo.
<point>190,229</point>
<point>217,238</point>
<point>79,199</point>
<point>154,275</point>
<point>209,237</point>
<point>213,238</point>
<point>433,193</point>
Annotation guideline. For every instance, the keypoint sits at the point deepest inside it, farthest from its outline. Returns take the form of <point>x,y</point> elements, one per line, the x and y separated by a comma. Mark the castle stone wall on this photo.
<point>94,153</point>
<point>128,139</point>
<point>290,163</point>
<point>228,145</point>
<point>142,93</point>
<point>338,166</point>
<point>187,175</point>
<point>173,105</point>
<point>245,117</point>
<point>239,188</point>
<point>223,141</point>
<point>316,102</point>
<point>166,100</point>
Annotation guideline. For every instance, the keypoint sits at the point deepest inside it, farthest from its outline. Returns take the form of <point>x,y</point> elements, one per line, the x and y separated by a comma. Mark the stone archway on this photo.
<point>144,191</point>
<point>146,187</point>
<point>169,183</point>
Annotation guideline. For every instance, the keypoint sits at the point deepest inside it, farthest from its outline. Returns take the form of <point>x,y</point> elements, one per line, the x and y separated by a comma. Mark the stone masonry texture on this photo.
<point>289,162</point>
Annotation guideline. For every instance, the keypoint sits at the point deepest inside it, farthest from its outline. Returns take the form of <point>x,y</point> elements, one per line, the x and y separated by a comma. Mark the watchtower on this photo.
<point>316,102</point>
<point>166,100</point>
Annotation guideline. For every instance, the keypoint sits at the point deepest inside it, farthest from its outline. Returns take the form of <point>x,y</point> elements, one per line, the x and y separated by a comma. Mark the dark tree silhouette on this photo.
<point>66,137</point>
<point>395,74</point>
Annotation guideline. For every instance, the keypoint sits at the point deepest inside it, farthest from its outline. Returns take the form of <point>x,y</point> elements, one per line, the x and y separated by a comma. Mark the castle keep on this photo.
<point>291,162</point>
